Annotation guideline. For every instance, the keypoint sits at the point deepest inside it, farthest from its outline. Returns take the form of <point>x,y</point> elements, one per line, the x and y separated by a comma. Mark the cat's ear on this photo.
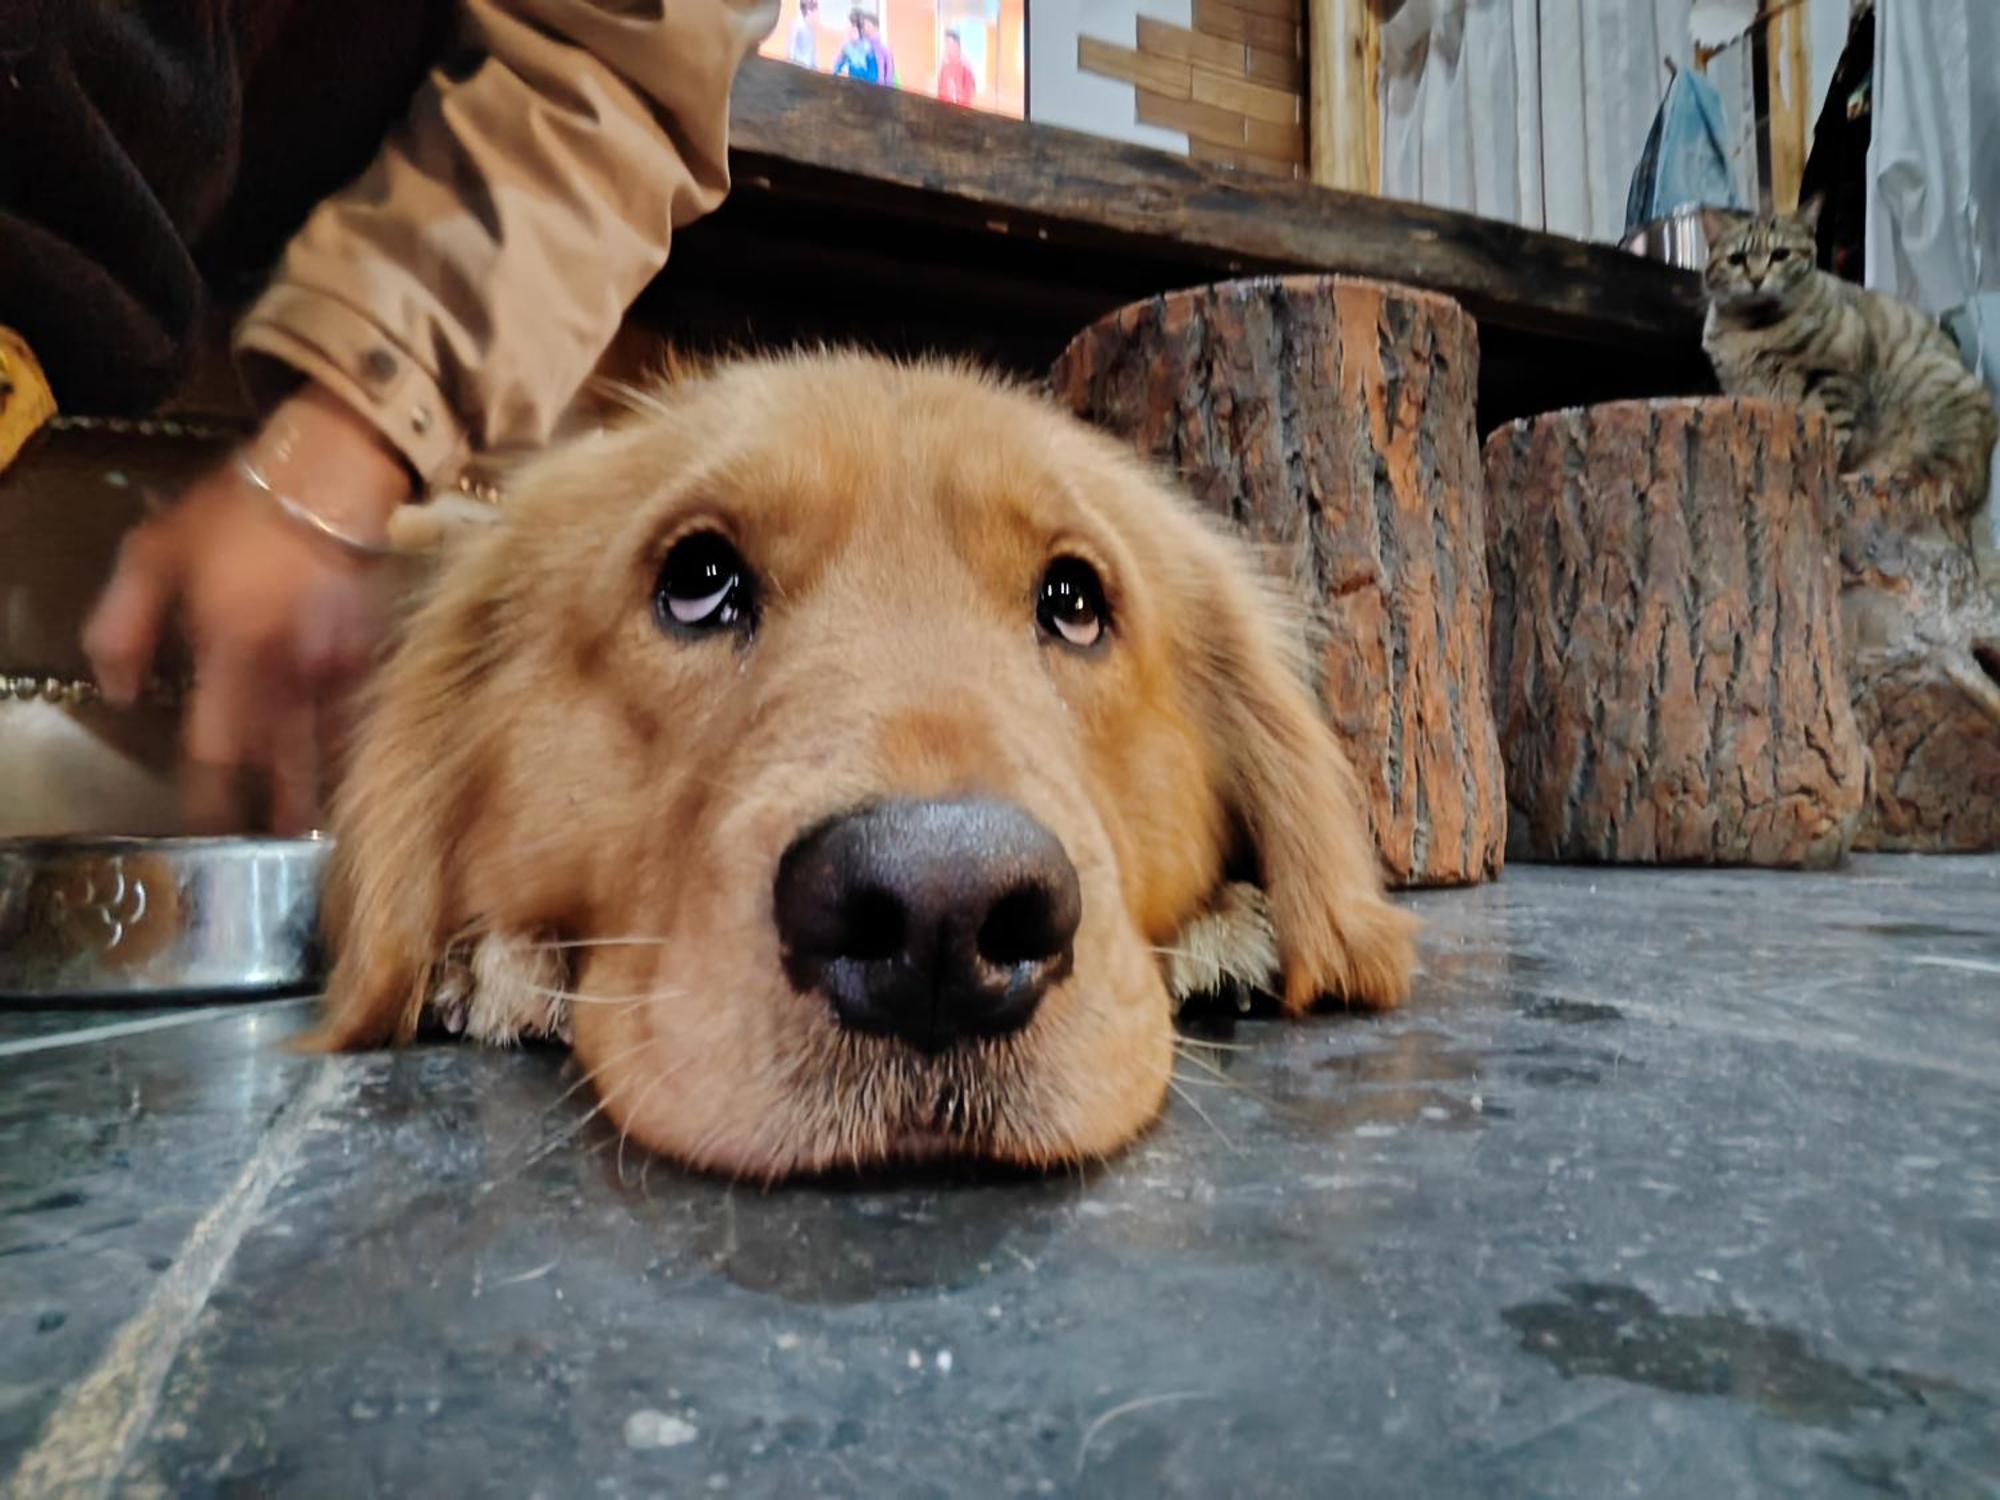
<point>1808,213</point>
<point>1717,224</point>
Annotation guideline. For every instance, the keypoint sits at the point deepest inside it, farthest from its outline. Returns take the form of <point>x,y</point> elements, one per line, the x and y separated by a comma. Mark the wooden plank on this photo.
<point>1790,106</point>
<point>1290,10</point>
<point>1202,122</point>
<point>1225,54</point>
<point>1160,74</point>
<point>1242,160</point>
<point>1343,97</point>
<point>1215,18</point>
<point>1254,101</point>
<point>1287,141</point>
<point>1276,68</point>
<point>854,152</point>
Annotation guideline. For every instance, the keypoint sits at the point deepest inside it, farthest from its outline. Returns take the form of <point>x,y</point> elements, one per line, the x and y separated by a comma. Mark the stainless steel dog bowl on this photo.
<point>144,919</point>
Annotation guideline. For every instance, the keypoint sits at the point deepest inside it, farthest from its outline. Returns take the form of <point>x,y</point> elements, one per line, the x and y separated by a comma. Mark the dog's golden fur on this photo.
<point>549,785</point>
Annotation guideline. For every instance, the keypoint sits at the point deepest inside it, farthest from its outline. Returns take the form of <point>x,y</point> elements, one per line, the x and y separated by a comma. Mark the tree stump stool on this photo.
<point>1667,658</point>
<point>1923,659</point>
<point>1332,420</point>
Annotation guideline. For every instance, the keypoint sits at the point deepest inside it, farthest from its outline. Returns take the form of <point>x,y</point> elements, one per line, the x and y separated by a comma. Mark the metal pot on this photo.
<point>146,919</point>
<point>1676,240</point>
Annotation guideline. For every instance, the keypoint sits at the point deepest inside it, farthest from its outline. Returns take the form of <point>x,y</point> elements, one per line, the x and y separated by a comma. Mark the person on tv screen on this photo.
<point>857,59</point>
<point>955,83</point>
<point>803,46</point>
<point>885,61</point>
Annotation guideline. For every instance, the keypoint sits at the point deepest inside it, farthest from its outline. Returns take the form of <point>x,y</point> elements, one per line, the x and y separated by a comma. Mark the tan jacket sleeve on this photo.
<point>461,290</point>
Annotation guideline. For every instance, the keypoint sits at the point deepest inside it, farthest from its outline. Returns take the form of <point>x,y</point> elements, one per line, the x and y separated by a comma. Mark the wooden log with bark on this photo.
<point>1667,656</point>
<point>1332,420</point>
<point>1923,663</point>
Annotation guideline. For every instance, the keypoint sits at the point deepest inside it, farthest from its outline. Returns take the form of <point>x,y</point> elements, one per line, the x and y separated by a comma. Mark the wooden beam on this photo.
<point>1785,57</point>
<point>838,149</point>
<point>1344,95</point>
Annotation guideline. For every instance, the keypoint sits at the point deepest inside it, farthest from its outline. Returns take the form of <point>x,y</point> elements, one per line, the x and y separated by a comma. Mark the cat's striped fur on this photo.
<point>1893,382</point>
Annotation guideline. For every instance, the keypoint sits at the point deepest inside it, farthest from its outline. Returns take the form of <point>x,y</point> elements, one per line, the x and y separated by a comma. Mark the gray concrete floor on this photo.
<point>1679,1184</point>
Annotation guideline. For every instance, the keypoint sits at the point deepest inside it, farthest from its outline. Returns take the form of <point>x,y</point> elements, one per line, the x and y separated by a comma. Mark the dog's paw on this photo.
<point>1228,951</point>
<point>502,988</point>
<point>1363,955</point>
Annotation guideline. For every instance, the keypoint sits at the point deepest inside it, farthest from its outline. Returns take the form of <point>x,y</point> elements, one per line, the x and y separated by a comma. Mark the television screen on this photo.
<point>971,53</point>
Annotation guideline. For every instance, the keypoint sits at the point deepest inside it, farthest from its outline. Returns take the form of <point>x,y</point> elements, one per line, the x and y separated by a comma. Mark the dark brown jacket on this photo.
<point>522,167</point>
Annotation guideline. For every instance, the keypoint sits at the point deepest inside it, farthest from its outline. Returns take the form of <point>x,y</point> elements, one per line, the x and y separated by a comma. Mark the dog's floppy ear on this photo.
<point>404,807</point>
<point>1298,799</point>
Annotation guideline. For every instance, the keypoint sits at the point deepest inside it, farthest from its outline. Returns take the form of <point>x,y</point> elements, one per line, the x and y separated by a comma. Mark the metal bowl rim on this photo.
<point>45,846</point>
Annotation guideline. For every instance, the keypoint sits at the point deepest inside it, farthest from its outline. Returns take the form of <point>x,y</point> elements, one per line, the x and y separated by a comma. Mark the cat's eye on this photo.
<point>1737,258</point>
<point>1779,256</point>
<point>704,585</point>
<point>1070,605</point>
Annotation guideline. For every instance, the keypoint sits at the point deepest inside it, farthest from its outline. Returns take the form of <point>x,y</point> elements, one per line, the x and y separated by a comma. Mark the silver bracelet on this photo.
<point>305,516</point>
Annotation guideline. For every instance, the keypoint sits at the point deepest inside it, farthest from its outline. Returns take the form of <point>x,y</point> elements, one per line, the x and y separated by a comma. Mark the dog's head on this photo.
<point>845,745</point>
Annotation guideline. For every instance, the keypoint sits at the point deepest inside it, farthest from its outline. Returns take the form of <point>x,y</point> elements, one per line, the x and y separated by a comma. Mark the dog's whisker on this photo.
<point>1182,1039</point>
<point>555,1142</point>
<point>625,1131</point>
<point>1207,1067</point>
<point>589,1077</point>
<point>579,997</point>
<point>1224,1080</point>
<point>586,997</point>
<point>1208,1083</point>
<point>583,1082</point>
<point>570,1092</point>
<point>1206,1118</point>
<point>605,1101</point>
<point>556,944</point>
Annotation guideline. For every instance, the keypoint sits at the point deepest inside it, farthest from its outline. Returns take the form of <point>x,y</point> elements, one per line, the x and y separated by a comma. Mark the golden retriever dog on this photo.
<point>847,757</point>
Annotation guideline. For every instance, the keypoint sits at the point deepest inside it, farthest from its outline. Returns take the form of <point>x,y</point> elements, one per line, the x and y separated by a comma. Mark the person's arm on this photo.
<point>460,291</point>
<point>451,300</point>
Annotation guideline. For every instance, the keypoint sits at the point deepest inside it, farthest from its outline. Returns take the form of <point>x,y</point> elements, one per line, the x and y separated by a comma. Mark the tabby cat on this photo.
<point>1893,382</point>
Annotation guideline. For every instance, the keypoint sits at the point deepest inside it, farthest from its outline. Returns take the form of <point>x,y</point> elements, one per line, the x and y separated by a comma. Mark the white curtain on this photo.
<point>1536,111</point>
<point>1934,151</point>
<point>1934,167</point>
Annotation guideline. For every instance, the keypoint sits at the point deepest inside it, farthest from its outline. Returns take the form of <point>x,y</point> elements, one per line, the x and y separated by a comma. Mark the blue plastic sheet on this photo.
<point>1686,160</point>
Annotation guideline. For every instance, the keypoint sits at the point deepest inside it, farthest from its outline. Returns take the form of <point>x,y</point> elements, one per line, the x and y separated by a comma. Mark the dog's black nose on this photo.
<point>930,921</point>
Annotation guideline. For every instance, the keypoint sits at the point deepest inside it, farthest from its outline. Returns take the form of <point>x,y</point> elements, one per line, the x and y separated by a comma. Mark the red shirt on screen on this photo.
<point>955,84</point>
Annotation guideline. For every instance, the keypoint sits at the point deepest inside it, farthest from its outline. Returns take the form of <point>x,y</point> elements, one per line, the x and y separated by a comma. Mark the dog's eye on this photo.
<point>1071,603</point>
<point>704,585</point>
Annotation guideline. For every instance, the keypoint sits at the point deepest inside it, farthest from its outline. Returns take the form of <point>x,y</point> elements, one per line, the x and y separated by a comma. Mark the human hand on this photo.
<point>280,620</point>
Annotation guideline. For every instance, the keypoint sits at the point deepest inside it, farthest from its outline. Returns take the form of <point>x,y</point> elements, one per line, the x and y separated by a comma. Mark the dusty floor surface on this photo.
<point>1665,1184</point>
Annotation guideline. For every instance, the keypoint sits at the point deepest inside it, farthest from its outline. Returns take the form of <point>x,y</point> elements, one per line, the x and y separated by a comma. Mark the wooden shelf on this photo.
<point>871,214</point>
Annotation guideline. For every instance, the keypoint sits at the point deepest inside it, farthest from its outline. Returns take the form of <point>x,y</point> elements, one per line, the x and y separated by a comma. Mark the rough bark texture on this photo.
<point>1923,655</point>
<point>1333,420</point>
<point>1667,657</point>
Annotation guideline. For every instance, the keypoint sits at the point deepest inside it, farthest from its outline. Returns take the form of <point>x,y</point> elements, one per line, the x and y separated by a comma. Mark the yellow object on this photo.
<point>26,401</point>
